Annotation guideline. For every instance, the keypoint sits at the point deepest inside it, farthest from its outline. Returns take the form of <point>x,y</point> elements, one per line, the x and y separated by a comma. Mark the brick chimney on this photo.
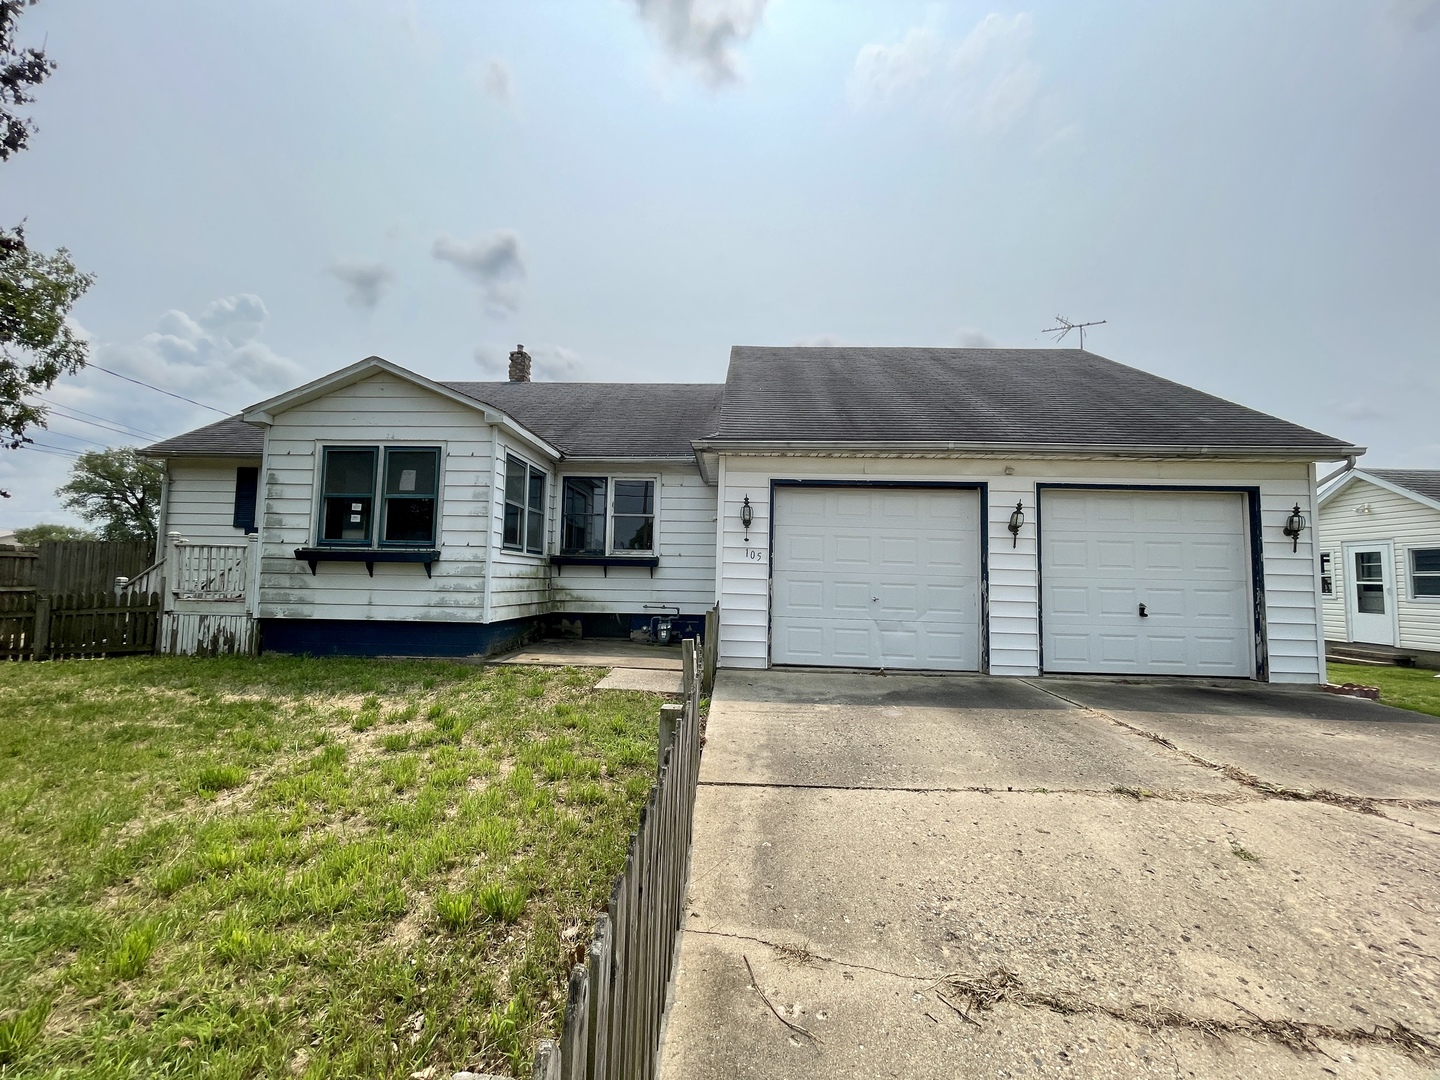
<point>519,365</point>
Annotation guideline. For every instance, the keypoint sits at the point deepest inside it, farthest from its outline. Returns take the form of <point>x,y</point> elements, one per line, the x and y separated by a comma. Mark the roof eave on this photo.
<point>1383,484</point>
<point>1294,453</point>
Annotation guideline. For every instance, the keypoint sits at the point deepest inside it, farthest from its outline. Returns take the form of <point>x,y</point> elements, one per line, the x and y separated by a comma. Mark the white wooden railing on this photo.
<point>210,571</point>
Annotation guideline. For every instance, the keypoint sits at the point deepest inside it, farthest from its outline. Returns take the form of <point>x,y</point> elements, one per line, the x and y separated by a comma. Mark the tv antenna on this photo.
<point>1065,326</point>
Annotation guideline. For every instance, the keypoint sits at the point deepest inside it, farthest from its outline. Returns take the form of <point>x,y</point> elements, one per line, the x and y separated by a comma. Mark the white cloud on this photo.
<point>1363,410</point>
<point>496,263</point>
<point>365,282</point>
<point>549,363</point>
<point>702,35</point>
<point>1415,15</point>
<point>985,79</point>
<point>967,337</point>
<point>822,341</point>
<point>215,356</point>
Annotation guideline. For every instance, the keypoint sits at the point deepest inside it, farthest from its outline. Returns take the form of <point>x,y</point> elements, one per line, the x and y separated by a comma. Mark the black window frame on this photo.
<point>611,496</point>
<point>1416,575</point>
<point>529,509</point>
<point>378,497</point>
<point>1327,574</point>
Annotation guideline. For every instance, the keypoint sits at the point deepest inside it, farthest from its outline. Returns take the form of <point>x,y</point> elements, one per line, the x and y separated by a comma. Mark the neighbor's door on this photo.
<point>1370,593</point>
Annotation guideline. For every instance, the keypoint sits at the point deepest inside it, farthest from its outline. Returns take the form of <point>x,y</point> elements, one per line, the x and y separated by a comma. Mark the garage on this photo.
<point>1146,582</point>
<point>876,577</point>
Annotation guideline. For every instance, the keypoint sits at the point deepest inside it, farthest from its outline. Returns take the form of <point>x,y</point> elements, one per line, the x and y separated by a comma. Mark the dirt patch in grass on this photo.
<point>224,864</point>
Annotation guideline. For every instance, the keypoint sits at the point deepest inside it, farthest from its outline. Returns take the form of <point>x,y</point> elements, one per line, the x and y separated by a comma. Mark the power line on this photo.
<point>149,386</point>
<point>77,438</point>
<point>69,455</point>
<point>107,427</point>
<point>97,416</point>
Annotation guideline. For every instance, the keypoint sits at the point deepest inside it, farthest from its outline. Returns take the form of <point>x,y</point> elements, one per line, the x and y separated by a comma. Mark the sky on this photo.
<point>268,191</point>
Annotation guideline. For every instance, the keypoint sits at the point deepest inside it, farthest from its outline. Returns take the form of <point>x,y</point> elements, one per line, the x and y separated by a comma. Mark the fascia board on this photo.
<point>1290,453</point>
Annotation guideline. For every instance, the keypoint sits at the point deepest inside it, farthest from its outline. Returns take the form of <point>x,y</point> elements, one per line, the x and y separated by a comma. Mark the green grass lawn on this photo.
<point>1405,688</point>
<point>297,867</point>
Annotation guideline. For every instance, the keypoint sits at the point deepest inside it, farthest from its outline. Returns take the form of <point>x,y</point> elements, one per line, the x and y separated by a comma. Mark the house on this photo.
<point>1016,512</point>
<point>1380,562</point>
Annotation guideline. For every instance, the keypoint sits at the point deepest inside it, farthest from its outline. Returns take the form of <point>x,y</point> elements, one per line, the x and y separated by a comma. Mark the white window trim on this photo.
<point>317,499</point>
<point>1409,564</point>
<point>610,479</point>
<point>501,478</point>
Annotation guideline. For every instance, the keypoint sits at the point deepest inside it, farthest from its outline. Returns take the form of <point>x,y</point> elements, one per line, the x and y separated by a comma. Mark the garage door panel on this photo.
<point>1186,558</point>
<point>900,582</point>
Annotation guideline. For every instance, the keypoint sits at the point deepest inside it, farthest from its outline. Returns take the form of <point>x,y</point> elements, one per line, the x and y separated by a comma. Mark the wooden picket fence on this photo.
<point>34,626</point>
<point>617,997</point>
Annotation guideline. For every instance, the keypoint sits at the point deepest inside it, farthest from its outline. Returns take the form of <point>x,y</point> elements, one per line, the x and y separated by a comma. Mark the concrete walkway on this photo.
<point>633,666</point>
<point>967,877</point>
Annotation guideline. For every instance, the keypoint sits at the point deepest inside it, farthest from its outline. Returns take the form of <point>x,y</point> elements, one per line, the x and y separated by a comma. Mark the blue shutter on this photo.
<point>247,483</point>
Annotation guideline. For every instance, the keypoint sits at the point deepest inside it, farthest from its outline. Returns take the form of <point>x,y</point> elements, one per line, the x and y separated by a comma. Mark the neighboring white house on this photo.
<point>1017,512</point>
<point>1380,559</point>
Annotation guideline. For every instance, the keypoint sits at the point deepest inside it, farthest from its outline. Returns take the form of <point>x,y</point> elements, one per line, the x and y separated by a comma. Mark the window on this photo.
<point>524,507</point>
<point>1369,583</point>
<point>1327,576</point>
<point>1425,572</point>
<point>589,516</point>
<point>582,529</point>
<point>407,496</point>
<point>247,483</point>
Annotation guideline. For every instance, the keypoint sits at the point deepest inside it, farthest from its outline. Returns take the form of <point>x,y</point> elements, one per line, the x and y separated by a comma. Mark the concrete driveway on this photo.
<point>974,877</point>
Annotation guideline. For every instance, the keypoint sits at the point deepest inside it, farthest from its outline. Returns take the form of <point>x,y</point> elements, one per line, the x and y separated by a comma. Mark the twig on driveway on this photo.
<point>793,1027</point>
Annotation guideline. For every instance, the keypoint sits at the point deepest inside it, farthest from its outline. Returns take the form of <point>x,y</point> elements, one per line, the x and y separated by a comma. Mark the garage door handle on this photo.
<point>1143,613</point>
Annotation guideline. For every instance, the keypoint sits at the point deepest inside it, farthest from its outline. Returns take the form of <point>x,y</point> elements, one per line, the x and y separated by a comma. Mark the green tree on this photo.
<point>116,490</point>
<point>37,290</point>
<point>34,534</point>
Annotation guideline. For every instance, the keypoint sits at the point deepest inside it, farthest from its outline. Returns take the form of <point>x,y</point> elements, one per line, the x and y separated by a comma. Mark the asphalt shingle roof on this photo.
<point>1424,482</point>
<point>607,419</point>
<point>1016,397</point>
<point>996,397</point>
<point>231,437</point>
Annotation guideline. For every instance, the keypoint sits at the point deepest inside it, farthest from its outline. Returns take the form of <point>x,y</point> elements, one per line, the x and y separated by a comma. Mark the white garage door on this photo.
<point>877,577</point>
<point>1181,557</point>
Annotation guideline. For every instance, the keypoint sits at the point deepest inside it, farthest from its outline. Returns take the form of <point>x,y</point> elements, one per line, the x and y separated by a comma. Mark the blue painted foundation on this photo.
<point>347,637</point>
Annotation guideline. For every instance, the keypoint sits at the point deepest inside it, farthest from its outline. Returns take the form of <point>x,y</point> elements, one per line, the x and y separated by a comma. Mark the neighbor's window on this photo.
<point>408,493</point>
<point>247,487</point>
<point>595,508</point>
<point>1327,576</point>
<point>524,507</point>
<point>1425,572</point>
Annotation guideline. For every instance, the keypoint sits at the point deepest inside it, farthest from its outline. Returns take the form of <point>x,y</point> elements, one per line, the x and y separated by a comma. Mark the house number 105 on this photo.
<point>755,554</point>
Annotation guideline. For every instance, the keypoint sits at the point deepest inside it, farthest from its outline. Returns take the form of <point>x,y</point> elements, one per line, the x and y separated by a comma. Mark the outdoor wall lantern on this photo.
<point>1017,519</point>
<point>747,517</point>
<point>1294,526</point>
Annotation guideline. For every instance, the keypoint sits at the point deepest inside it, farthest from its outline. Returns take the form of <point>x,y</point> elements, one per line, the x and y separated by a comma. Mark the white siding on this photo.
<point>1406,524</point>
<point>1014,600</point>
<point>200,499</point>
<point>685,533</point>
<point>380,410</point>
<point>520,582</point>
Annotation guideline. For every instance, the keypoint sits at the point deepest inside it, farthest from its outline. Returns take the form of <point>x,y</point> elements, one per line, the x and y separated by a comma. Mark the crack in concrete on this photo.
<point>1170,794</point>
<point>1360,804</point>
<point>968,994</point>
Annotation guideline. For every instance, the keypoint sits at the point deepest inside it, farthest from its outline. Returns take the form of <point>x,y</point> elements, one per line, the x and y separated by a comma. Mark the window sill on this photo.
<point>369,556</point>
<point>605,561</point>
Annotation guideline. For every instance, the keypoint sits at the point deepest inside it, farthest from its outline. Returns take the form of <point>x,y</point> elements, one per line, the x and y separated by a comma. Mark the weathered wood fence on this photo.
<point>617,997</point>
<point>59,600</point>
<point>34,626</point>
